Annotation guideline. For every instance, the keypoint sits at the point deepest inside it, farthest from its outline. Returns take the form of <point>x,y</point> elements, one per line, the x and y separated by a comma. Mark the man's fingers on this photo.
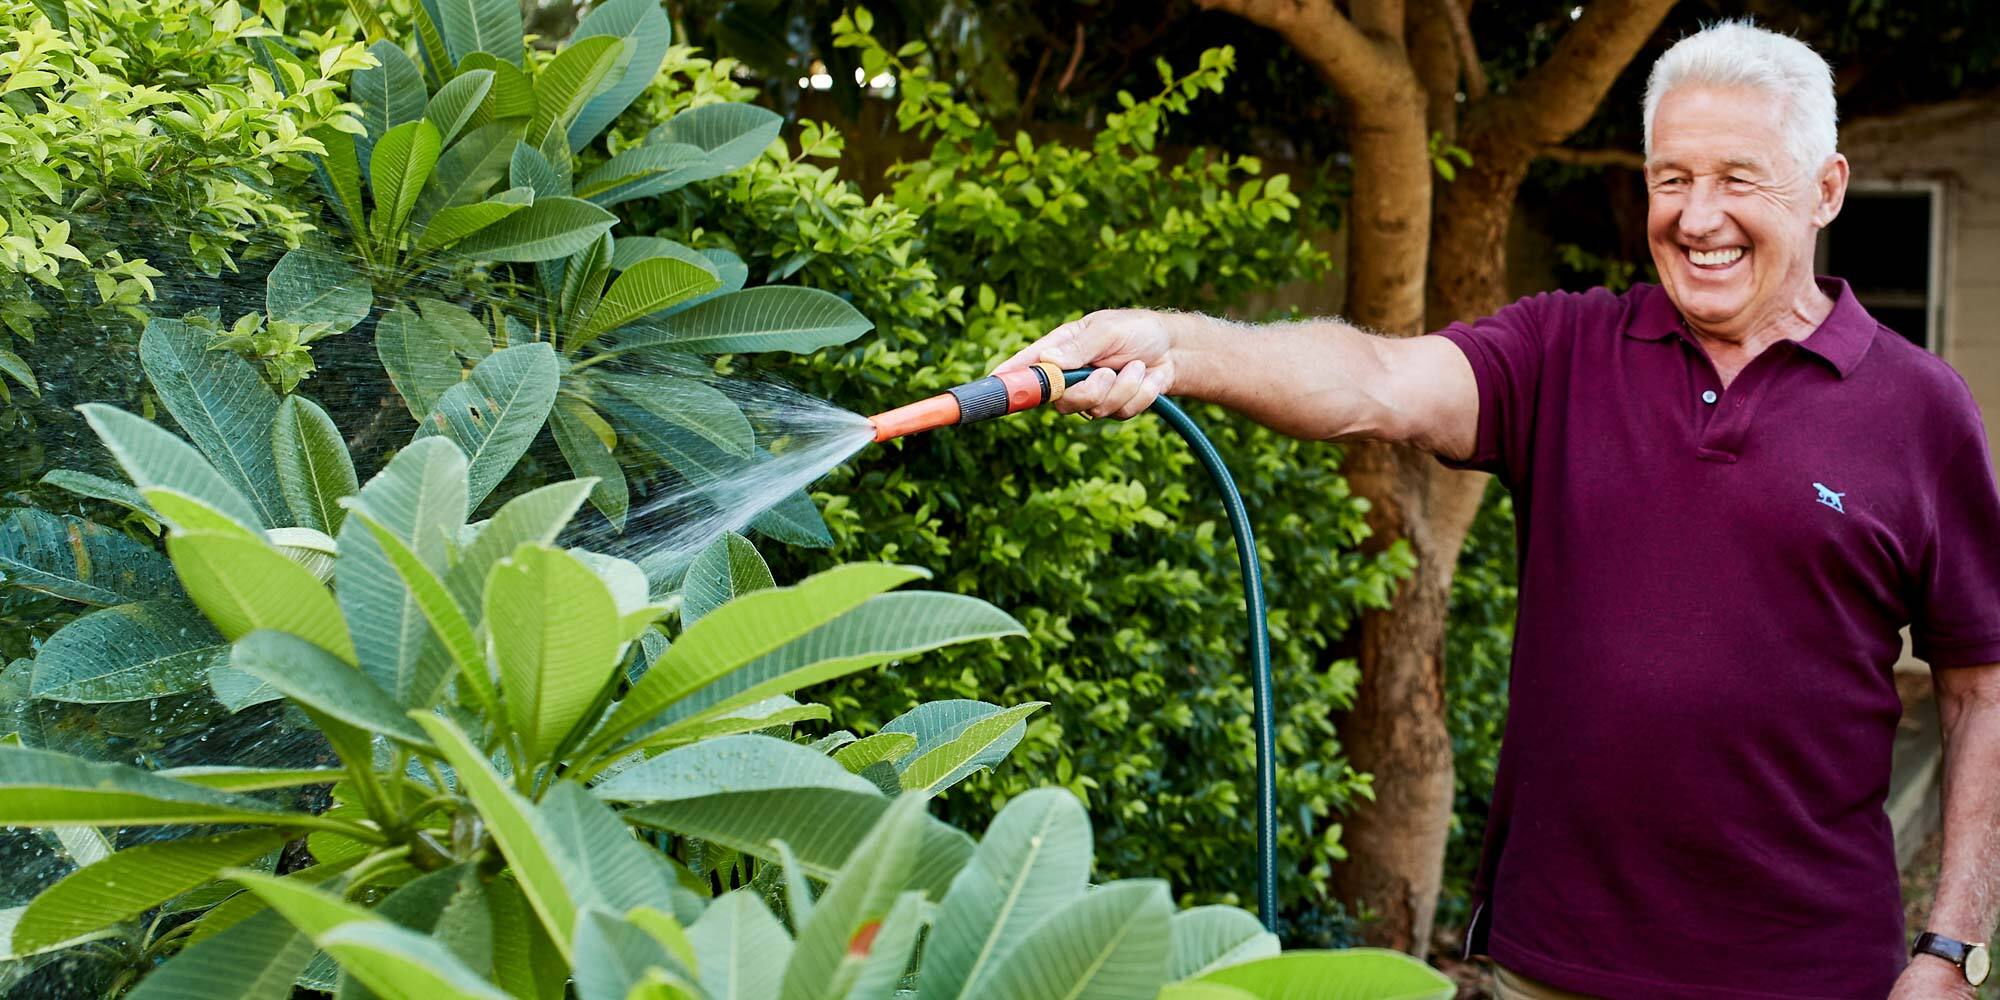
<point>1141,401</point>
<point>1071,345</point>
<point>1084,395</point>
<point>1122,390</point>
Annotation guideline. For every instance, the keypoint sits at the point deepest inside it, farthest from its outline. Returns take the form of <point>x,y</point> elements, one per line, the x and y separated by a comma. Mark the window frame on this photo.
<point>1934,293</point>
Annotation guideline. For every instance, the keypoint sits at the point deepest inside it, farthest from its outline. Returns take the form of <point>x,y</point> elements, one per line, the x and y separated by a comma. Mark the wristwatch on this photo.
<point>1971,959</point>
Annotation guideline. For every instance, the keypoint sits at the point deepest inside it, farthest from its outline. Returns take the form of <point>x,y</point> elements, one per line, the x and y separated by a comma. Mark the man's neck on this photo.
<point>1732,351</point>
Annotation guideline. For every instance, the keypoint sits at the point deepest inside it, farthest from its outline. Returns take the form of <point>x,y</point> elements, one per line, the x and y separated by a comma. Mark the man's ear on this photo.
<point>1832,190</point>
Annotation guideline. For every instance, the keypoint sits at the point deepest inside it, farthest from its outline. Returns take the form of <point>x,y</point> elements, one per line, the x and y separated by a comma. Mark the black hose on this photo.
<point>1260,642</point>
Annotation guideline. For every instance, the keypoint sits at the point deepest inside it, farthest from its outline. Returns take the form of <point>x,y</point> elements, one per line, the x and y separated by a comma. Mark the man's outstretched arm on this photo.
<point>1320,379</point>
<point>1968,892</point>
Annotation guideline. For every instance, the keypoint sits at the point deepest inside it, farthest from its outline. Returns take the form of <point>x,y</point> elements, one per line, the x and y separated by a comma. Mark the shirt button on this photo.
<point>1708,396</point>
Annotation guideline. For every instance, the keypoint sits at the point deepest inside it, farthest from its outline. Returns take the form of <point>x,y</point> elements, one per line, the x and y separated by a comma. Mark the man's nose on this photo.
<point>1701,213</point>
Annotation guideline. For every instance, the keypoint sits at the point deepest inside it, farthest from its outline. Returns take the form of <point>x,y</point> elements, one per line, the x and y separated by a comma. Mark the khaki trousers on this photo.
<point>1513,986</point>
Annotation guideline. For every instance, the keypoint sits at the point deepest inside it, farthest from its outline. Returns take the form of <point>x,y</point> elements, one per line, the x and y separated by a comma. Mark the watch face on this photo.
<point>1977,965</point>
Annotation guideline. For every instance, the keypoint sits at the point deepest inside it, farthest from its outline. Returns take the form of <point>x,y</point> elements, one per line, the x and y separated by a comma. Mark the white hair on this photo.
<point>1737,53</point>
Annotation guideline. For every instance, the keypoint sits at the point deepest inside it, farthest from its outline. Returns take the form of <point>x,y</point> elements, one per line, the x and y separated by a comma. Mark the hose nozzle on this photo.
<point>992,396</point>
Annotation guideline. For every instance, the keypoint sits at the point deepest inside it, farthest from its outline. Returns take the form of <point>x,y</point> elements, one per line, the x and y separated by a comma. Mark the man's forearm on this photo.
<point>1319,379</point>
<point>1968,892</point>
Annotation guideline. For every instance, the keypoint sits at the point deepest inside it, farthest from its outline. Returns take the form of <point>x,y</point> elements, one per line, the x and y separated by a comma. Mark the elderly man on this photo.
<point>1734,489</point>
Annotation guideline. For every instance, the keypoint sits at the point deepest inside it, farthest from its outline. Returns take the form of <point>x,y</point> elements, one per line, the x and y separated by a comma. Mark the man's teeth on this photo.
<point>1712,257</point>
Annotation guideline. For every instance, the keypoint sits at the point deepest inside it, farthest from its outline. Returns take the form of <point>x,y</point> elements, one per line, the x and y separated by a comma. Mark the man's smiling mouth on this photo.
<point>1714,259</point>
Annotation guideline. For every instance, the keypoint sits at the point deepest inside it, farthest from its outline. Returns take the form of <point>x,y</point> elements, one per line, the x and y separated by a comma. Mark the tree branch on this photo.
<point>1470,71</point>
<point>1560,95</point>
<point>1625,158</point>
<point>1345,57</point>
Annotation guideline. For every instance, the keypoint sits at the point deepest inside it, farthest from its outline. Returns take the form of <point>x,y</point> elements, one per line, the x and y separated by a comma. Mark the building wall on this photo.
<point>1958,146</point>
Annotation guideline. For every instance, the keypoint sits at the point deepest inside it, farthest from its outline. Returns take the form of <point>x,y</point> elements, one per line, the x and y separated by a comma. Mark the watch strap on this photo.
<point>1932,943</point>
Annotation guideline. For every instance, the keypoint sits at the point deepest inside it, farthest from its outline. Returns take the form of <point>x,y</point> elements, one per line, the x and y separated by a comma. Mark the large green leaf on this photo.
<point>222,404</point>
<point>1349,974</point>
<point>389,93</point>
<point>526,962</point>
<point>253,959</point>
<point>748,628</point>
<point>601,862</point>
<point>419,362</point>
<point>1207,938</point>
<point>582,286</point>
<point>766,318</point>
<point>634,249</point>
<point>494,415</point>
<point>457,222</point>
<point>451,108</point>
<point>556,640</point>
<point>79,560</point>
<point>515,826</point>
<point>400,165</point>
<point>691,405</point>
<point>131,882</point>
<point>726,570</point>
<point>731,134</point>
<point>313,284</point>
<point>464,331</point>
<point>1111,944</point>
<point>529,168</point>
<point>243,585</point>
<point>339,174</point>
<point>152,649</point>
<point>569,81</point>
<point>571,424</point>
<point>84,484</point>
<point>314,469</point>
<point>741,949</point>
<point>468,168</point>
<point>228,778</point>
<point>314,679</point>
<point>420,497</point>
<point>831,945</point>
<point>644,26</point>
<point>551,228</point>
<point>396,962</point>
<point>980,743</point>
<point>744,792</point>
<point>615,959</point>
<point>45,788</point>
<point>536,517</point>
<point>492,26</point>
<point>884,628</point>
<point>642,172</point>
<point>794,520</point>
<point>646,287</point>
<point>513,96</point>
<point>1034,860</point>
<point>447,621</point>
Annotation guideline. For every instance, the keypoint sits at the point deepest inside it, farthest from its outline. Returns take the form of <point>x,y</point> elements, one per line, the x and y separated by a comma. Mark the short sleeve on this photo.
<point>1506,351</point>
<point>1958,601</point>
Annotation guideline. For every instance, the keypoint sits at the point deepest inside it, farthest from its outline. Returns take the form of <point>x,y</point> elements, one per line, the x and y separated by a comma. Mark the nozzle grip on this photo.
<point>981,400</point>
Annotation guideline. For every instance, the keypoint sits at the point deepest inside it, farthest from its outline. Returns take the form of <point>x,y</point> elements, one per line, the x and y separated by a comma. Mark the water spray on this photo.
<point>1043,383</point>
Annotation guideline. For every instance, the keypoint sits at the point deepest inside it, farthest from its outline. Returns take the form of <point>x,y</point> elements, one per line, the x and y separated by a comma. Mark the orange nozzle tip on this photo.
<point>938,411</point>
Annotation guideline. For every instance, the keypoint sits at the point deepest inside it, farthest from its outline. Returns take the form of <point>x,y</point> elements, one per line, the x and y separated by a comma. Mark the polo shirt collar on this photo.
<point>1840,341</point>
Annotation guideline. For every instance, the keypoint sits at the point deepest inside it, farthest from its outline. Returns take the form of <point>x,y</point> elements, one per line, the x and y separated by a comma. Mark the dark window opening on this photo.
<point>1885,245</point>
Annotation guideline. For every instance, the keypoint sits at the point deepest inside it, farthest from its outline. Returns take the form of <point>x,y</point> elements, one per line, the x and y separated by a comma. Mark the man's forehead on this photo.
<point>1698,160</point>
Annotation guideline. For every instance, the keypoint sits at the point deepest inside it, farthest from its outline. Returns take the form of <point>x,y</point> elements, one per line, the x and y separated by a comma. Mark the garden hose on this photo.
<point>1026,388</point>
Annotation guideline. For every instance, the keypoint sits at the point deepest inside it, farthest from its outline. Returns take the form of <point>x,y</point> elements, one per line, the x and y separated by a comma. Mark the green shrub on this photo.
<point>1106,538</point>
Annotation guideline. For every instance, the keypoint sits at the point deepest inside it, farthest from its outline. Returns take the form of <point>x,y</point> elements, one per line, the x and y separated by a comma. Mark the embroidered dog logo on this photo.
<point>1829,497</point>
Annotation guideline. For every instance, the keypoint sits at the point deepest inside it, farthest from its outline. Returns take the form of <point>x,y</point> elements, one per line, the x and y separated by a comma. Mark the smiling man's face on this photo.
<point>1731,219</point>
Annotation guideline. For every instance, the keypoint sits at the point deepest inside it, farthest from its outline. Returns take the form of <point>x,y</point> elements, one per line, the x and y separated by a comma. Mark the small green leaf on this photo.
<point>402,162</point>
<point>585,452</point>
<point>726,570</point>
<point>731,134</point>
<point>452,106</point>
<point>569,81</point>
<point>977,746</point>
<point>314,679</point>
<point>243,585</point>
<point>314,470</point>
<point>646,287</point>
<point>468,168</point>
<point>315,285</point>
<point>554,629</point>
<point>496,413</point>
<point>457,222</point>
<point>418,361</point>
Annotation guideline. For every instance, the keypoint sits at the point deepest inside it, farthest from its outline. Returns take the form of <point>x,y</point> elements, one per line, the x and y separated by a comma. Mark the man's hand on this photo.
<point>1931,978</point>
<point>1132,350</point>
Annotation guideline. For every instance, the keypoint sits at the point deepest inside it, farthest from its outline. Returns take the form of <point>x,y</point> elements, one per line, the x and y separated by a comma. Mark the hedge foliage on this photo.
<point>1104,539</point>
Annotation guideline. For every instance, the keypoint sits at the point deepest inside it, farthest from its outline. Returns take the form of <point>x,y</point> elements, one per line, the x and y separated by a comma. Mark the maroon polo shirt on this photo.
<point>1690,791</point>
